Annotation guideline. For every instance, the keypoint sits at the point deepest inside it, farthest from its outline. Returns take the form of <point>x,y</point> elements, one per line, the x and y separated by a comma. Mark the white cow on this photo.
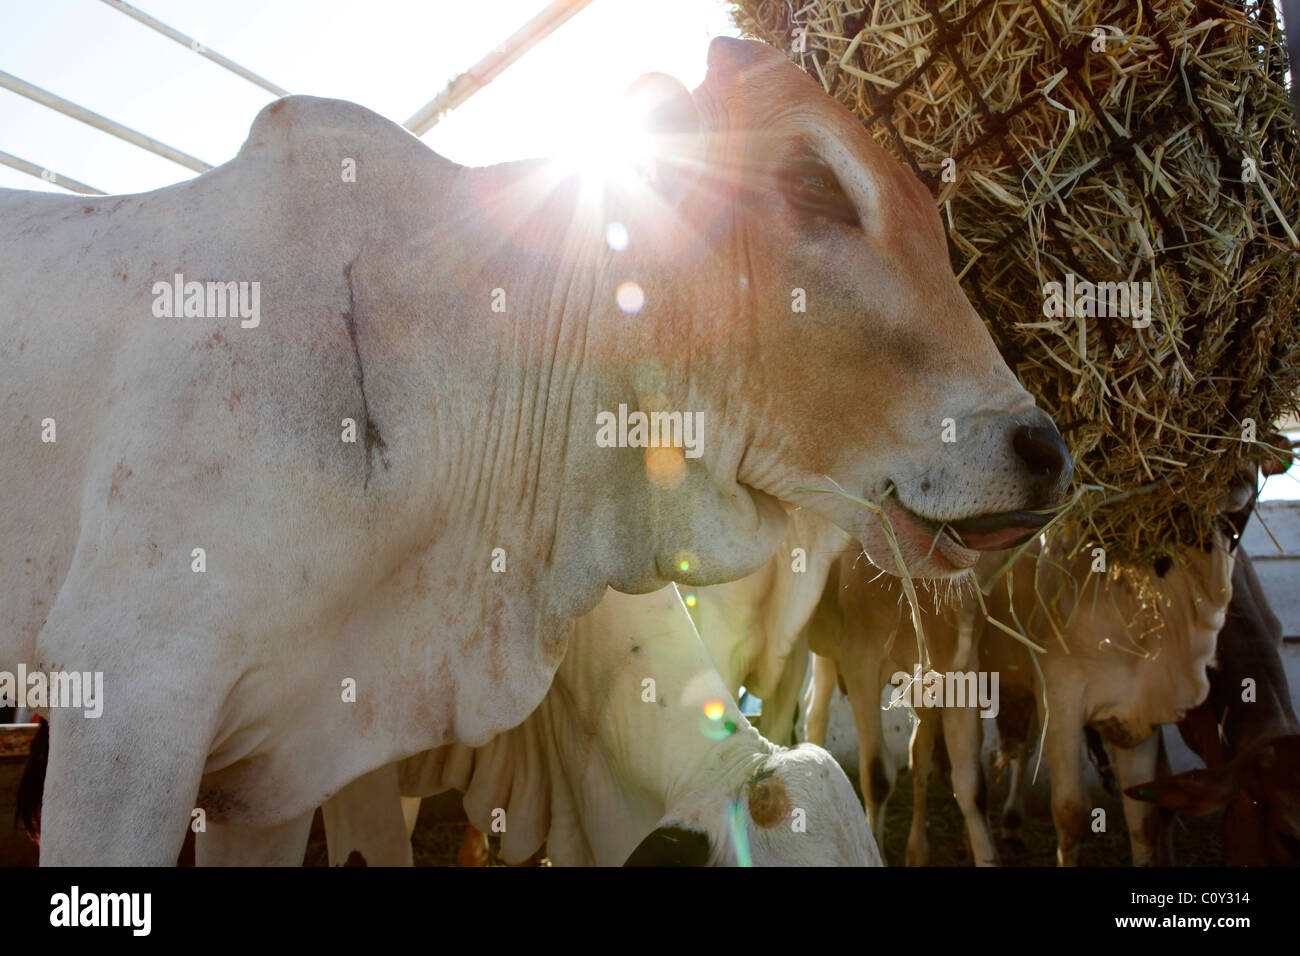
<point>637,751</point>
<point>697,647</point>
<point>754,628</point>
<point>359,516</point>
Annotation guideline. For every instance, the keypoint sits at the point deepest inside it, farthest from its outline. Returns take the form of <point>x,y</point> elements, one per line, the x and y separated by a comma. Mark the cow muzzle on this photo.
<point>1042,469</point>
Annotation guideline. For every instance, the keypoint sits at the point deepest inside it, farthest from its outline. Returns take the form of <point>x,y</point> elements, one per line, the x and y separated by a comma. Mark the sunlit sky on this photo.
<point>1285,485</point>
<point>390,55</point>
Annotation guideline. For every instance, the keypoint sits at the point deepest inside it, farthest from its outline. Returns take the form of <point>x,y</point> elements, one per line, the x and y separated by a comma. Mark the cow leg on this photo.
<point>861,671</point>
<point>232,844</point>
<point>120,788</point>
<point>1165,843</point>
<point>474,847</point>
<point>920,754</point>
<point>823,690</point>
<point>115,797</point>
<point>1134,765</point>
<point>1064,748</point>
<point>776,722</point>
<point>961,735</point>
<point>1013,811</point>
<point>1017,733</point>
<point>410,813</point>
<point>876,774</point>
<point>366,817</point>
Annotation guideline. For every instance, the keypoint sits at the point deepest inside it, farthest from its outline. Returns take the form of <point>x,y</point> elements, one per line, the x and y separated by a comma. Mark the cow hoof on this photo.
<point>473,849</point>
<point>918,854</point>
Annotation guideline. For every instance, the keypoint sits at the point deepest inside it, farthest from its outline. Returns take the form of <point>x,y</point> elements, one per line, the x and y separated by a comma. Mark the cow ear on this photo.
<point>663,106</point>
<point>1195,792</point>
<point>661,119</point>
<point>672,846</point>
<point>1276,462</point>
<point>729,57</point>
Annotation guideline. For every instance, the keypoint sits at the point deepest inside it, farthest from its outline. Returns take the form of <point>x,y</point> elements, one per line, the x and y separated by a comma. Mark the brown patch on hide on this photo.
<point>769,804</point>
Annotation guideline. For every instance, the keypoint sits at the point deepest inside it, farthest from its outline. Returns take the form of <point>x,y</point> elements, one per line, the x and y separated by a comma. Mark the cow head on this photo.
<point>794,287</point>
<point>1189,595</point>
<point>1197,585</point>
<point>1237,504</point>
<point>1260,791</point>
<point>798,809</point>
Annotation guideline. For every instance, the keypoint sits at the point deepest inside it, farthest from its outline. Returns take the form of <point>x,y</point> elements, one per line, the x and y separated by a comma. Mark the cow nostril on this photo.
<point>1042,451</point>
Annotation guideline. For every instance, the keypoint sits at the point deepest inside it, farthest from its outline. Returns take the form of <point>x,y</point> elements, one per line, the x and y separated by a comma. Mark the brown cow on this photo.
<point>1122,654</point>
<point>862,631</point>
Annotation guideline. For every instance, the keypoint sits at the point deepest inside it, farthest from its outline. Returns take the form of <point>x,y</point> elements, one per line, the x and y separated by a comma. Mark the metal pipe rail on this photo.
<point>465,85</point>
<point>48,175</point>
<point>91,118</point>
<point>196,46</point>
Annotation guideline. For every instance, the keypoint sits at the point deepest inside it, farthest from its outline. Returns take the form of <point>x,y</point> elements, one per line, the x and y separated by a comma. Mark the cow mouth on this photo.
<point>997,532</point>
<point>961,542</point>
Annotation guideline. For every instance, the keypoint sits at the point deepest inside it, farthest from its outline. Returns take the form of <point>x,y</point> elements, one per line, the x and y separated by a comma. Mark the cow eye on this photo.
<point>810,184</point>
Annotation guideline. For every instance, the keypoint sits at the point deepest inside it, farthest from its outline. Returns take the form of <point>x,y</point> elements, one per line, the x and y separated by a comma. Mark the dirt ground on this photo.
<point>1196,840</point>
<point>437,837</point>
<point>441,827</point>
<point>440,830</point>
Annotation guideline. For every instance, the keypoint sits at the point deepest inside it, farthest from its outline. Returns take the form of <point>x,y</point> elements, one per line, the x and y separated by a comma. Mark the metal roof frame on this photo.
<point>457,92</point>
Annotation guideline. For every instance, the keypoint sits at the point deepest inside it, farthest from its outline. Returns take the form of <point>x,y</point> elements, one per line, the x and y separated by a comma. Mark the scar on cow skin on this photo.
<point>373,440</point>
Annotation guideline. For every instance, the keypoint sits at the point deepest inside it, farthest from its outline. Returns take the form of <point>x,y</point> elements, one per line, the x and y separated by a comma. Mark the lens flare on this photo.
<point>714,710</point>
<point>665,467</point>
<point>610,150</point>
<point>630,297</point>
<point>690,600</point>
<point>739,834</point>
<point>616,236</point>
<point>716,730</point>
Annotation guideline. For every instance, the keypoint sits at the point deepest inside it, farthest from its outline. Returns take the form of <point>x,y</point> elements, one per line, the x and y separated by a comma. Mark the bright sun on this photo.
<point>615,150</point>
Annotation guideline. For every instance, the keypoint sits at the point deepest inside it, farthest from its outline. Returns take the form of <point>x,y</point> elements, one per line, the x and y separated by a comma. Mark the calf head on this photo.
<point>1139,643</point>
<point>799,295</point>
<point>1195,591</point>
<point>803,811</point>
<point>1260,791</point>
<point>799,809</point>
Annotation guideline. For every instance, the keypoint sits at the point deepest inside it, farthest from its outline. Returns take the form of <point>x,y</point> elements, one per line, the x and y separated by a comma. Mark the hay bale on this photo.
<point>1105,140</point>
